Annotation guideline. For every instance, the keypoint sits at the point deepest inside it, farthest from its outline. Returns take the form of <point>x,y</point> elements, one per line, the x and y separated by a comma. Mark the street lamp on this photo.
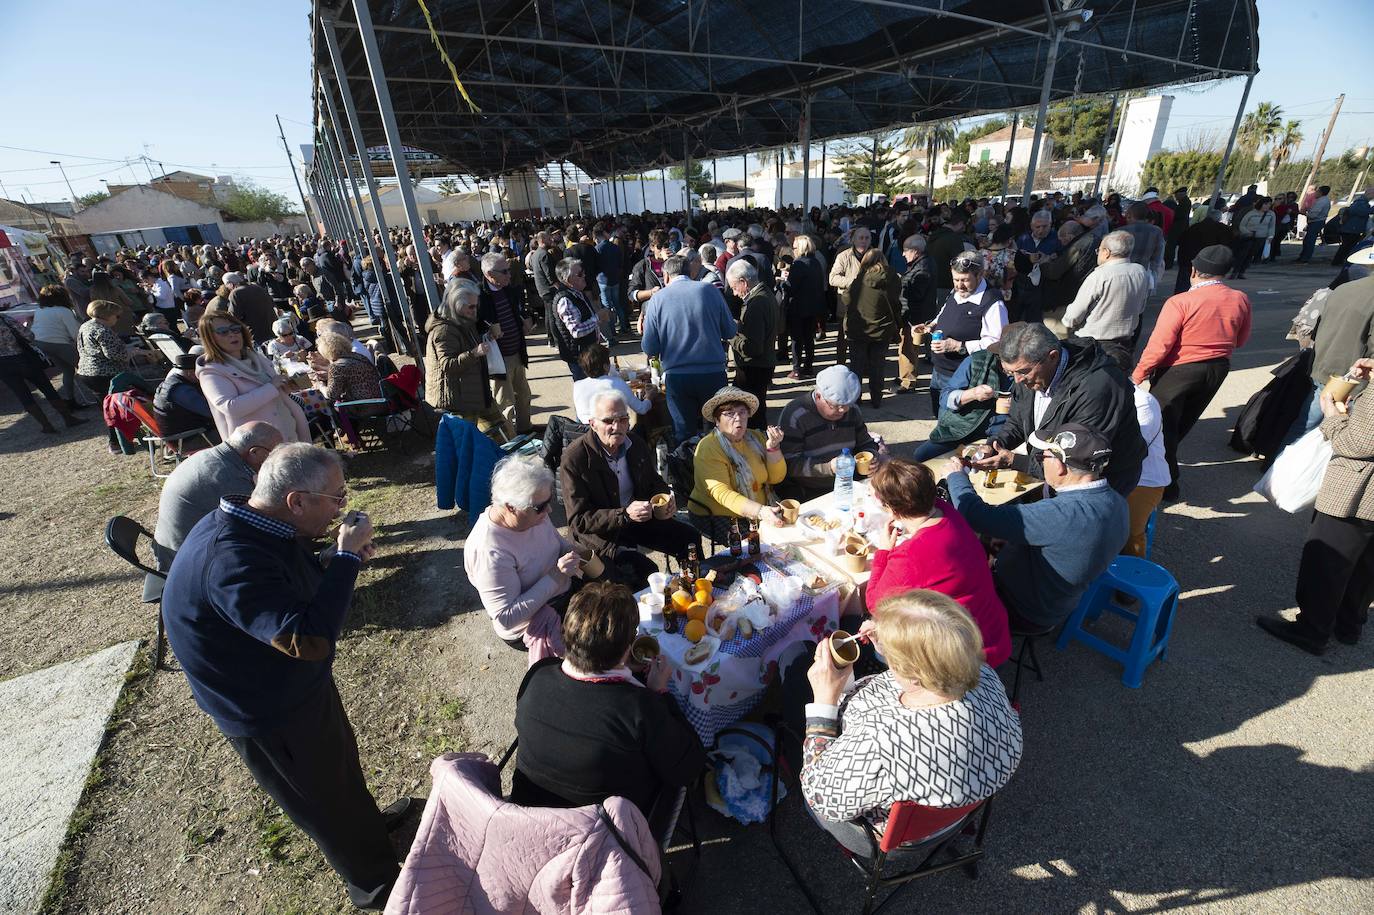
<point>58,162</point>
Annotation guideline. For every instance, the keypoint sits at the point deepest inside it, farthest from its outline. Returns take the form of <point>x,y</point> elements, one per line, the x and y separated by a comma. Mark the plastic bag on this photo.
<point>496,363</point>
<point>1296,475</point>
<point>741,784</point>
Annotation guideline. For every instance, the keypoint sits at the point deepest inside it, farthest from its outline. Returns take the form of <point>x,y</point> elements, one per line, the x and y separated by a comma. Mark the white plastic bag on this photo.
<point>496,363</point>
<point>1296,475</point>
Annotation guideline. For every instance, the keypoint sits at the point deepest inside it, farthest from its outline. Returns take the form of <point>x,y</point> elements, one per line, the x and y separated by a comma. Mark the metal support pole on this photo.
<point>563,179</point>
<point>1102,153</point>
<point>778,204</point>
<point>715,185</point>
<point>873,171</point>
<point>336,186</point>
<point>746,179</point>
<point>643,193</point>
<point>663,178</point>
<point>615,200</point>
<point>1231,141</point>
<point>398,159</point>
<point>687,173</point>
<point>305,206</point>
<point>823,176</point>
<point>806,159</point>
<point>525,183</point>
<point>325,221</point>
<point>340,155</point>
<point>339,143</point>
<point>326,186</point>
<point>1011,147</point>
<point>1046,85</point>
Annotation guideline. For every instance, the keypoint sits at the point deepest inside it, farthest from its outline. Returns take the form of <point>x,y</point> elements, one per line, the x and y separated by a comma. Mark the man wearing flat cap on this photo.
<point>179,404</point>
<point>1189,353</point>
<point>816,427</point>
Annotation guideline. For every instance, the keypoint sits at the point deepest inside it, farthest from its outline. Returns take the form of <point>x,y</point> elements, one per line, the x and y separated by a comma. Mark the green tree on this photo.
<point>858,174</point>
<point>700,181</point>
<point>1076,127</point>
<point>959,149</point>
<point>932,137</point>
<point>250,203</point>
<point>451,187</point>
<point>1285,144</point>
<point>91,199</point>
<point>1259,128</point>
<point>981,179</point>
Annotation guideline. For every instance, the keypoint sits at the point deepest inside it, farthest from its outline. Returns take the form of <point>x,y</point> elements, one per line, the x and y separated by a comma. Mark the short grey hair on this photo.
<point>1041,216</point>
<point>297,467</point>
<point>674,266</point>
<point>1074,229</point>
<point>254,435</point>
<point>708,253</point>
<point>915,243</point>
<point>563,269</point>
<point>452,300</point>
<point>742,269</point>
<point>490,260</point>
<point>234,278</point>
<point>284,325</point>
<point>1119,243</point>
<point>609,393</point>
<point>968,262</point>
<point>517,478</point>
<point>1029,341</point>
<point>1097,212</point>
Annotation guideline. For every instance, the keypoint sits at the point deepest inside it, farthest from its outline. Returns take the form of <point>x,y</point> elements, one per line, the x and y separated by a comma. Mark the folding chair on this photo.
<point>177,445</point>
<point>912,829</point>
<point>167,346</point>
<point>121,535</point>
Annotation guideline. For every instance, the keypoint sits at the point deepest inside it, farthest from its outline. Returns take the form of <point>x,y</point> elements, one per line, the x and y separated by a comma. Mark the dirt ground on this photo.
<point>1197,791</point>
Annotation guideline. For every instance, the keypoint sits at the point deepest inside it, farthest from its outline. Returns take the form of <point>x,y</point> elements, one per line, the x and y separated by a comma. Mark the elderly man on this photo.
<point>844,273</point>
<point>179,404</point>
<point>77,282</point>
<point>816,427</point>
<point>199,482</point>
<point>253,617</point>
<point>252,305</point>
<point>971,319</point>
<point>502,304</point>
<point>1208,231</point>
<point>1054,548</point>
<point>1354,226</point>
<point>1064,382</point>
<point>918,302</point>
<point>1040,242</point>
<point>541,261</point>
<point>608,477</point>
<point>1061,275</point>
<point>1111,300</point>
<point>686,327</point>
<point>1148,249</point>
<point>755,346</point>
<point>1189,352</point>
<point>332,276</point>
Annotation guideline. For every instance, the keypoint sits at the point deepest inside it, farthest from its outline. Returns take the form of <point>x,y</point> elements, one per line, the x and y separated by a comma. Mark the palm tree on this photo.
<point>451,187</point>
<point>1285,145</point>
<point>934,136</point>
<point>1260,127</point>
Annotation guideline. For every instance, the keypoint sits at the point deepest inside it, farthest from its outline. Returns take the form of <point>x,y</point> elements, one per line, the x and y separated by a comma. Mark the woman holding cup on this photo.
<point>939,703</point>
<point>737,467</point>
<point>974,406</point>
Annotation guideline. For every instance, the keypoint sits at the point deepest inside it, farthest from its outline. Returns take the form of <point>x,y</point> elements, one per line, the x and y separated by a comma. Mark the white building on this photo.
<point>141,207</point>
<point>764,190</point>
<point>433,207</point>
<point>993,148</point>
<point>1139,137</point>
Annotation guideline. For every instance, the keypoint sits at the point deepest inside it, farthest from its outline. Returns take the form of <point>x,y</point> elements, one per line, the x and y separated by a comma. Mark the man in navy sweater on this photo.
<point>688,325</point>
<point>1057,546</point>
<point>253,617</point>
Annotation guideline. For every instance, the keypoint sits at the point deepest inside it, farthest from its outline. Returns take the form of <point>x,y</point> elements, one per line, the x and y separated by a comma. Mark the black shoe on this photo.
<point>1347,638</point>
<point>1171,493</point>
<point>395,813</point>
<point>1292,633</point>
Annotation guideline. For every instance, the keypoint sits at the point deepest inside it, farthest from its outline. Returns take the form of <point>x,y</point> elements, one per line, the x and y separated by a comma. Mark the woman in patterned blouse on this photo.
<point>935,729</point>
<point>102,354</point>
<point>349,375</point>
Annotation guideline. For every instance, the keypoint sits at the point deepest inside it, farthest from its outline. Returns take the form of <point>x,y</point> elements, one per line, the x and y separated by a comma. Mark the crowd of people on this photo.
<point>1024,324</point>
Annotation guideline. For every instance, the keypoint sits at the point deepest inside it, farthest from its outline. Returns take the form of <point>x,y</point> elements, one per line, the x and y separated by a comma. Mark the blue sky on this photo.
<point>199,82</point>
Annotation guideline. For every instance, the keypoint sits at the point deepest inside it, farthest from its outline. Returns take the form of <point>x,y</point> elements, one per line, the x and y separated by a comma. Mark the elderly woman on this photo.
<point>289,345</point>
<point>576,319</point>
<point>735,467</point>
<point>55,330</point>
<point>516,559</point>
<point>242,384</point>
<point>1336,574</point>
<point>935,729</point>
<point>456,378</point>
<point>926,544</point>
<point>589,730</point>
<point>101,354</point>
<point>873,319</point>
<point>596,365</point>
<point>1061,275</point>
<point>348,375</point>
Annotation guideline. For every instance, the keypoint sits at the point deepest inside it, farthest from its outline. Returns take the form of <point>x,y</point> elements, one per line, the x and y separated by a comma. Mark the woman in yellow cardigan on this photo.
<point>737,467</point>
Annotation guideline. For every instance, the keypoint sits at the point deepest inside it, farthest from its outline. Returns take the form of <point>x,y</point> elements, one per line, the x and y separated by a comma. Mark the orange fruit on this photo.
<point>704,597</point>
<point>694,630</point>
<point>703,584</point>
<point>696,611</point>
<point>682,600</point>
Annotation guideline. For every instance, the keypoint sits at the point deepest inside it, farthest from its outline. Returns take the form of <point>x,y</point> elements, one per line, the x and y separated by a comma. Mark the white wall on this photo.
<point>139,207</point>
<point>629,200</point>
<point>1020,154</point>
<point>768,194</point>
<point>1142,135</point>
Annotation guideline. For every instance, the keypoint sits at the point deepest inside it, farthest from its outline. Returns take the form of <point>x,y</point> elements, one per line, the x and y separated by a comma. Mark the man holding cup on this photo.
<point>253,616</point>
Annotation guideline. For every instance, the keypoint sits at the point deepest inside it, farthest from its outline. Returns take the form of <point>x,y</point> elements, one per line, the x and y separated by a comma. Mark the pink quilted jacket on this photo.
<point>476,853</point>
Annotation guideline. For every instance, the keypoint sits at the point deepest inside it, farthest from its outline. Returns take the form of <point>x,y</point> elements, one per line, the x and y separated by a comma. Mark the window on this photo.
<point>986,156</point>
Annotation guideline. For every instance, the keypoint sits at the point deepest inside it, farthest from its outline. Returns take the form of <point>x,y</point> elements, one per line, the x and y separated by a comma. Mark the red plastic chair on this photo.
<point>179,445</point>
<point>924,831</point>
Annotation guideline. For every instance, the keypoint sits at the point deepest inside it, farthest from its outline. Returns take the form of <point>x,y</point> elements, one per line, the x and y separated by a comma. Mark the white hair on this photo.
<point>610,394</point>
<point>742,269</point>
<point>1119,243</point>
<point>1041,216</point>
<point>297,467</point>
<point>517,478</point>
<point>284,325</point>
<point>915,243</point>
<point>490,260</point>
<point>452,300</point>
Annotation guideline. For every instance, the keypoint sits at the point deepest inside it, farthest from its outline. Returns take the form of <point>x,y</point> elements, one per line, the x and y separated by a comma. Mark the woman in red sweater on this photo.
<point>926,544</point>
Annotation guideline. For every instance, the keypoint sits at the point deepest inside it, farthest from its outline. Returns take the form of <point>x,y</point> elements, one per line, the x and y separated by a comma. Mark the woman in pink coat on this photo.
<point>241,384</point>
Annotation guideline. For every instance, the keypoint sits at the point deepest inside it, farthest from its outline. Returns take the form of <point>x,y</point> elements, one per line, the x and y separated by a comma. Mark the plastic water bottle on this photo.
<point>844,481</point>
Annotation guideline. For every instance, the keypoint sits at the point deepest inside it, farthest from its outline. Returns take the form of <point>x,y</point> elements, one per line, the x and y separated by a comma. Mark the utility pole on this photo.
<point>58,162</point>
<point>1321,148</point>
<point>304,205</point>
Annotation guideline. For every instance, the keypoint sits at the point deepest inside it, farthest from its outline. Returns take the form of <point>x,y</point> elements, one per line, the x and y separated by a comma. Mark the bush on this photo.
<point>248,203</point>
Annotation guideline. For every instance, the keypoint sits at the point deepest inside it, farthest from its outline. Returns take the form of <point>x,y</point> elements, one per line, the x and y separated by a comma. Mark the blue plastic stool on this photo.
<point>1157,592</point>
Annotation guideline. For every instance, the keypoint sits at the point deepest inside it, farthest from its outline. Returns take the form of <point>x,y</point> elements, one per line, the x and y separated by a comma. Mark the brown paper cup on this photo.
<point>791,508</point>
<point>854,557</point>
<point>662,511</point>
<point>863,462</point>
<point>1339,389</point>
<point>644,649</point>
<point>846,654</point>
<point>1003,405</point>
<point>592,566</point>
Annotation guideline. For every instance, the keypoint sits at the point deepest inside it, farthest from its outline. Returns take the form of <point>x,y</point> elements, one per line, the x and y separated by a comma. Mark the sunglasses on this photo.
<point>225,330</point>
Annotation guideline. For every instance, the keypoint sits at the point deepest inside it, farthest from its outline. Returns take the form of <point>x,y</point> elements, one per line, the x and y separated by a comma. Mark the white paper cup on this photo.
<point>651,607</point>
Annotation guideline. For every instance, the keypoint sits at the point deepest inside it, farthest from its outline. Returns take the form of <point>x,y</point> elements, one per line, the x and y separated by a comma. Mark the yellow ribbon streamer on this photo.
<point>444,54</point>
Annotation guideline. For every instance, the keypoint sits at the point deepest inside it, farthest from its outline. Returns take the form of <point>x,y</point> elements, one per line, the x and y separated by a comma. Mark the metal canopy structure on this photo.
<point>621,87</point>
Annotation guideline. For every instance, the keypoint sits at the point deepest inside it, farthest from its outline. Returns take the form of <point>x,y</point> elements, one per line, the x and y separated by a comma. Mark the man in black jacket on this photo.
<point>1058,383</point>
<point>755,346</point>
<point>608,479</point>
<point>543,261</point>
<point>918,307</point>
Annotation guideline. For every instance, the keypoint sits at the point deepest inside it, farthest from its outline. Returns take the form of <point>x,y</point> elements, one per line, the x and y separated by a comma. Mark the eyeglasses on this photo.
<point>542,506</point>
<point>507,270</point>
<point>1023,374</point>
<point>340,501</point>
<point>614,420</point>
<point>225,330</point>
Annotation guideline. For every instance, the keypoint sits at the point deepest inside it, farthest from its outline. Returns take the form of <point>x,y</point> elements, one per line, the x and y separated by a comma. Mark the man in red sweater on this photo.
<point>1189,353</point>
